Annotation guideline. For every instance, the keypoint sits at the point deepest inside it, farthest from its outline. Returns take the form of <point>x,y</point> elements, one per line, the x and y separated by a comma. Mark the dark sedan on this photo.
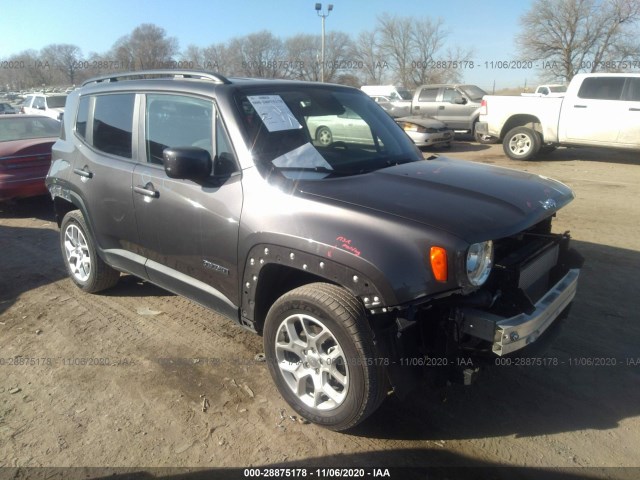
<point>25,154</point>
<point>6,108</point>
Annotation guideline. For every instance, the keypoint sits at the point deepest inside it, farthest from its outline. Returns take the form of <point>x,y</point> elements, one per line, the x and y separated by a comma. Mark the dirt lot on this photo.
<point>128,406</point>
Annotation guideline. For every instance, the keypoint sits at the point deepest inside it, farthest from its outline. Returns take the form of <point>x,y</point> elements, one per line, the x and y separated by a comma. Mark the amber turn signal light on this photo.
<point>438,257</point>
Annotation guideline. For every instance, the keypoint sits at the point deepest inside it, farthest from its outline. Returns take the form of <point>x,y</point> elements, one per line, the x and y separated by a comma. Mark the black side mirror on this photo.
<point>224,164</point>
<point>192,163</point>
<point>460,101</point>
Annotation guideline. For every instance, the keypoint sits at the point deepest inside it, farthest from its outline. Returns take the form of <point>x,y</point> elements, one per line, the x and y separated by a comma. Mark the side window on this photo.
<point>38,102</point>
<point>428,94</point>
<point>81,118</point>
<point>450,94</point>
<point>602,88</point>
<point>112,123</point>
<point>633,90</point>
<point>177,121</point>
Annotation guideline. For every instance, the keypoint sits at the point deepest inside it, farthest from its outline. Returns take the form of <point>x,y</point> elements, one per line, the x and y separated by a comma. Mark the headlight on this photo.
<point>479,262</point>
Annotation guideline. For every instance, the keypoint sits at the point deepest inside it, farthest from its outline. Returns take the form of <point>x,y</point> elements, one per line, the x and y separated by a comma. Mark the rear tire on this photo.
<point>521,143</point>
<point>87,270</point>
<point>321,356</point>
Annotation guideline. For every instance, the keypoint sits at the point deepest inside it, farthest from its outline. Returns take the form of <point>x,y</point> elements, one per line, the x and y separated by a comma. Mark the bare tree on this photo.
<point>146,47</point>
<point>66,59</point>
<point>219,58</point>
<point>570,36</point>
<point>396,45</point>
<point>302,52</point>
<point>338,45</point>
<point>413,50</point>
<point>367,52</point>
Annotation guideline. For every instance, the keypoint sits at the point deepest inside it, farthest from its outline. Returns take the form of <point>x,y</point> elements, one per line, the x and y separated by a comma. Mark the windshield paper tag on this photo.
<point>274,112</point>
<point>305,156</point>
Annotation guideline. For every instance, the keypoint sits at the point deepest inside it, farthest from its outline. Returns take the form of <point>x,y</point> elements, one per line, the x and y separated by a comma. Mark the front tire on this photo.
<point>324,136</point>
<point>522,143</point>
<point>321,356</point>
<point>84,266</point>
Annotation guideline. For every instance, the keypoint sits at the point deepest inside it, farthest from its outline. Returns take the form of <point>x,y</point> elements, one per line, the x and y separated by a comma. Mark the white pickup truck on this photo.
<point>547,91</point>
<point>598,109</point>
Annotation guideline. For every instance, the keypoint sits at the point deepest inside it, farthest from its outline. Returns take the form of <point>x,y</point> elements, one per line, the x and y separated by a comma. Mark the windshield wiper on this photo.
<point>307,169</point>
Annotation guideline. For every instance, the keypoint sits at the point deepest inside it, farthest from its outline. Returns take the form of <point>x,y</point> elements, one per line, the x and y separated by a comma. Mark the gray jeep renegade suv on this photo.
<point>361,263</point>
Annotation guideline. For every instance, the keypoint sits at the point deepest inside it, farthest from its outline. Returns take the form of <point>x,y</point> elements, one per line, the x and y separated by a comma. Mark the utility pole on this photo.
<point>323,16</point>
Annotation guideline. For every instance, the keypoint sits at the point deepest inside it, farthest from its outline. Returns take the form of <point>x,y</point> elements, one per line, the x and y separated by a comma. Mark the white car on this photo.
<point>425,131</point>
<point>347,127</point>
<point>51,106</point>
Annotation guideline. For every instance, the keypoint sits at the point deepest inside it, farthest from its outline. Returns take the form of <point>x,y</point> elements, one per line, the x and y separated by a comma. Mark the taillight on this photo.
<point>484,108</point>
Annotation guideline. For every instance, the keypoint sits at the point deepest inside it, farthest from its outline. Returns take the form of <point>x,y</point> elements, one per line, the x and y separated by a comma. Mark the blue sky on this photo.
<point>489,26</point>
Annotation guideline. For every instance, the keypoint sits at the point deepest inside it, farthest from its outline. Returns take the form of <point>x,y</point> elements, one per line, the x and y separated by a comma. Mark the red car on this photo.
<point>25,154</point>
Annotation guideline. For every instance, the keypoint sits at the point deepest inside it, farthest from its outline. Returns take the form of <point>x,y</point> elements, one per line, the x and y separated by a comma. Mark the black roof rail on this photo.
<point>114,77</point>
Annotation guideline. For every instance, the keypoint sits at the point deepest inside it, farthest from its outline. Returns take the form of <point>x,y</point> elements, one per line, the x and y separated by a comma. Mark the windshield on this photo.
<point>474,93</point>
<point>313,131</point>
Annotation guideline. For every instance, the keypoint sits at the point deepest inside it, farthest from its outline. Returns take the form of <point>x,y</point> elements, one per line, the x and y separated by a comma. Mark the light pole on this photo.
<point>323,16</point>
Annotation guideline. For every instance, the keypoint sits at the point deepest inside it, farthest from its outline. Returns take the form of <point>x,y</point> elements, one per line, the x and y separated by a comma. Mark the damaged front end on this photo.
<point>533,281</point>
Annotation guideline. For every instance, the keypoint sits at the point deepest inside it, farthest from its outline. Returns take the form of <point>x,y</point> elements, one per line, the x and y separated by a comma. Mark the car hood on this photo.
<point>475,202</point>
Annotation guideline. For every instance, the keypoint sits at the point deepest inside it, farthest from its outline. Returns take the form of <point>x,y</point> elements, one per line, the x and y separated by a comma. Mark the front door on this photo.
<point>189,229</point>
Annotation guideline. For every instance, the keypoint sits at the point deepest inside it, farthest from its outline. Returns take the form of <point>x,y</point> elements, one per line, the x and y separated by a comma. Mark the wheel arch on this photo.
<point>271,271</point>
<point>66,200</point>
<point>530,121</point>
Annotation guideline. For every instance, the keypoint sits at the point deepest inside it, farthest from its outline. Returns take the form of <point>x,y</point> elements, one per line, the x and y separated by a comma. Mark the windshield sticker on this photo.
<point>274,112</point>
<point>305,156</point>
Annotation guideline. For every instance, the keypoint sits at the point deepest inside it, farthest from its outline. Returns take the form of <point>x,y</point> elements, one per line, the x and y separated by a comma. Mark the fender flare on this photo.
<point>374,297</point>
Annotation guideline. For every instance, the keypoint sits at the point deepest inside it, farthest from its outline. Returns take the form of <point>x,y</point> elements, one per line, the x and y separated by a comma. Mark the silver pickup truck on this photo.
<point>456,105</point>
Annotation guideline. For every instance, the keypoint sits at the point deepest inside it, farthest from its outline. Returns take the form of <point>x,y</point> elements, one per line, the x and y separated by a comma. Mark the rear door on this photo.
<point>104,164</point>
<point>425,101</point>
<point>594,116</point>
<point>188,229</point>
<point>629,134</point>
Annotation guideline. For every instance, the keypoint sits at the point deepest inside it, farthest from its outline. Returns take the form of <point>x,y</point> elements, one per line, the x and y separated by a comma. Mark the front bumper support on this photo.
<point>510,334</point>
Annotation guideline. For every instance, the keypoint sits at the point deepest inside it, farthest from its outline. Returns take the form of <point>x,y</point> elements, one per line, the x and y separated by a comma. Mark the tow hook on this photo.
<point>470,375</point>
<point>464,375</point>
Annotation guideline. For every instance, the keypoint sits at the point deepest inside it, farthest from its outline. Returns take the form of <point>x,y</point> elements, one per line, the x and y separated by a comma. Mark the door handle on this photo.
<point>634,109</point>
<point>417,107</point>
<point>441,107</point>
<point>147,190</point>
<point>579,106</point>
<point>83,172</point>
